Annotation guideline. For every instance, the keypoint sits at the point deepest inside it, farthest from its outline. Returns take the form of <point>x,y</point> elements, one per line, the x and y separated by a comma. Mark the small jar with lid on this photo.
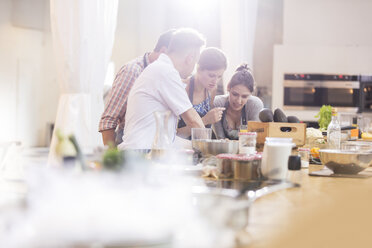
<point>247,142</point>
<point>294,170</point>
<point>304,153</point>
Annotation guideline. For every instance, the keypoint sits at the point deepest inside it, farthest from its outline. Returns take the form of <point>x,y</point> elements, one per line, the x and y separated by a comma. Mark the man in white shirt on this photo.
<point>160,88</point>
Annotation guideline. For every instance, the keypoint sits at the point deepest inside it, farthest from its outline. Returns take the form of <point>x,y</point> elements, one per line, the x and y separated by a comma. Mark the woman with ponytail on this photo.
<point>240,105</point>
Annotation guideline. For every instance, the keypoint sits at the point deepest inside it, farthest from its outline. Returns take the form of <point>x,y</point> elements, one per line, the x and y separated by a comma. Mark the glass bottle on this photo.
<point>161,139</point>
<point>334,131</point>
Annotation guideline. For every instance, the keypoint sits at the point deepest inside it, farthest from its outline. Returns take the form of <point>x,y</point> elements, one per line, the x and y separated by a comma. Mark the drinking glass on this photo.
<point>201,133</point>
<point>199,136</point>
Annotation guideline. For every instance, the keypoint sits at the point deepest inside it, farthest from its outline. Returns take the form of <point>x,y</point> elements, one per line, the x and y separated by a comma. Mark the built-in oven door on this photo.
<point>365,98</point>
<point>302,93</point>
<point>340,94</point>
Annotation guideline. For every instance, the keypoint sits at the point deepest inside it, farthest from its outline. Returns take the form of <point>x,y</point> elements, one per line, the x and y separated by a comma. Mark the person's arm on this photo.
<point>108,137</point>
<point>117,102</point>
<point>192,119</point>
<point>219,101</point>
<point>213,95</point>
<point>211,117</point>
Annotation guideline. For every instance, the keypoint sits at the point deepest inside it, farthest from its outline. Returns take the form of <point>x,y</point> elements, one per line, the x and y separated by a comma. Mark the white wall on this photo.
<point>126,37</point>
<point>316,41</point>
<point>28,92</point>
<point>327,22</point>
<point>28,89</point>
<point>269,31</point>
<point>238,33</point>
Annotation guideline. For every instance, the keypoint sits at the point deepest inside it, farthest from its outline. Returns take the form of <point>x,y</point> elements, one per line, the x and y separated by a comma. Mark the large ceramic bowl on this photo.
<point>345,162</point>
<point>214,147</point>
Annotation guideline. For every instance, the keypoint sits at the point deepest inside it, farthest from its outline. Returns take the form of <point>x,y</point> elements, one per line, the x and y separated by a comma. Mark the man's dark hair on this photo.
<point>164,39</point>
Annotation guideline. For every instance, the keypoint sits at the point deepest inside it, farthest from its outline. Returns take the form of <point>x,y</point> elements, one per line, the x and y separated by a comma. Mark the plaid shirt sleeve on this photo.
<point>114,113</point>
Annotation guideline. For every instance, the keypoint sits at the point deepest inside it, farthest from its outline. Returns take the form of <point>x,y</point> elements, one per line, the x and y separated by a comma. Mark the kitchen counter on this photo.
<point>323,212</point>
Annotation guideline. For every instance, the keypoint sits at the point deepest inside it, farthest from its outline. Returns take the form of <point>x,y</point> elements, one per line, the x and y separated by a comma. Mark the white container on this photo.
<point>275,158</point>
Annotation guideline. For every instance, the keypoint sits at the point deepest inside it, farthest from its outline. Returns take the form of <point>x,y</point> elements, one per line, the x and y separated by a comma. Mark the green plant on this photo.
<point>325,116</point>
<point>113,158</point>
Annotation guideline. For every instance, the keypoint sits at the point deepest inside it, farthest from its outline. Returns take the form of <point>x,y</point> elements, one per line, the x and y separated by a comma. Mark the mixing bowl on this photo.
<point>214,147</point>
<point>345,161</point>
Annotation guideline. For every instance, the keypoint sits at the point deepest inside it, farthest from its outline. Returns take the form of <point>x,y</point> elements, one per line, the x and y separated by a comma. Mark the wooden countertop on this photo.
<point>324,212</point>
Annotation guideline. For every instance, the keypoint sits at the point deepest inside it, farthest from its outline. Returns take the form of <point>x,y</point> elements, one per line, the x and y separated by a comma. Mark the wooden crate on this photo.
<point>297,131</point>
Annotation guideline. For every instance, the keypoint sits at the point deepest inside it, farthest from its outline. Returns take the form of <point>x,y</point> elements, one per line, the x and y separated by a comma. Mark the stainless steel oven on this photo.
<point>365,94</point>
<point>307,91</point>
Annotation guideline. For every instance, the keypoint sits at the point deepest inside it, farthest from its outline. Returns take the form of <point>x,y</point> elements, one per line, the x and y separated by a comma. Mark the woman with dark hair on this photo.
<point>240,105</point>
<point>201,88</point>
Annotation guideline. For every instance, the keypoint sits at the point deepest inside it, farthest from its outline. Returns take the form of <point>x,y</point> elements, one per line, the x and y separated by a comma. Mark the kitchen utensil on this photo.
<point>345,162</point>
<point>230,207</point>
<point>214,147</point>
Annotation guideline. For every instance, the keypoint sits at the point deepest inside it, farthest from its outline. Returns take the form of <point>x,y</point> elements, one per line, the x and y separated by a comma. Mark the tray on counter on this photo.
<point>328,173</point>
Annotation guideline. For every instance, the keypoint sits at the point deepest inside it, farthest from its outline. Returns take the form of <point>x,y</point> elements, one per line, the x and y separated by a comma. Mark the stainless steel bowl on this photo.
<point>215,147</point>
<point>345,162</point>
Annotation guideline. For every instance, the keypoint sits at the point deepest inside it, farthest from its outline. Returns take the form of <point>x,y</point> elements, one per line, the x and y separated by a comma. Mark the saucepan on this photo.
<point>230,207</point>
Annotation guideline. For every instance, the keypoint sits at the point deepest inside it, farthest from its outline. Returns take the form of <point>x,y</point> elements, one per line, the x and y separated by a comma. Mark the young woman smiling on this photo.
<point>202,86</point>
<point>240,105</point>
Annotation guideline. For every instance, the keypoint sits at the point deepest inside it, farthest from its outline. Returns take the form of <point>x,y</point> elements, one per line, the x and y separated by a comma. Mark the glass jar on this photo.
<point>161,143</point>
<point>304,153</point>
<point>247,142</point>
